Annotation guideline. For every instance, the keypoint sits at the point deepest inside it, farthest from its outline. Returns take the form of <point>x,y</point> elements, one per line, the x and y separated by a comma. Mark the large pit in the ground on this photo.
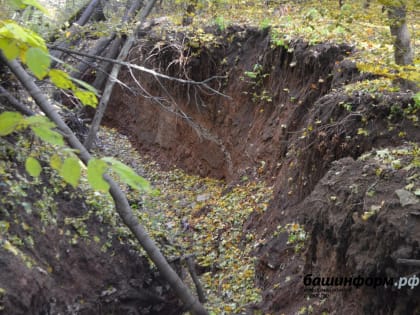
<point>283,117</point>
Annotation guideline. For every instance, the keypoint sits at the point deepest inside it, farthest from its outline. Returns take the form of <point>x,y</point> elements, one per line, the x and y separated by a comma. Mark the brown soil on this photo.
<point>64,276</point>
<point>244,131</point>
<point>304,141</point>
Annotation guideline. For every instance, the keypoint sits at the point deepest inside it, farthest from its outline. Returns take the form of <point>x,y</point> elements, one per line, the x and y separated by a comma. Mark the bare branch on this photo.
<point>122,206</point>
<point>156,74</point>
<point>15,103</point>
<point>196,280</point>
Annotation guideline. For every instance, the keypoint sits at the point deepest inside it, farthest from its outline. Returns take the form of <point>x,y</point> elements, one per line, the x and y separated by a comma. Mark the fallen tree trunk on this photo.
<point>122,206</point>
<point>75,28</point>
<point>100,111</point>
<point>115,47</point>
<point>86,62</point>
<point>105,67</point>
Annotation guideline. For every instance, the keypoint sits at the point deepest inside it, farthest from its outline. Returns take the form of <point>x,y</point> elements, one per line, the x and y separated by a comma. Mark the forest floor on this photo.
<point>203,217</point>
<point>338,147</point>
<point>305,166</point>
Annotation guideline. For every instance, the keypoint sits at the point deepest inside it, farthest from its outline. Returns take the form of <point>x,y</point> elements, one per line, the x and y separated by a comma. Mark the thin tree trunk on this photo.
<point>85,64</point>
<point>90,9</point>
<point>87,13</point>
<point>121,202</point>
<point>14,102</point>
<point>403,53</point>
<point>102,74</point>
<point>195,279</point>
<point>100,111</point>
<point>402,47</point>
<point>103,71</point>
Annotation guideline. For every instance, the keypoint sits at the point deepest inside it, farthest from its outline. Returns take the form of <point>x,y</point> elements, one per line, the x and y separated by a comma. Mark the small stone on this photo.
<point>406,198</point>
<point>203,197</point>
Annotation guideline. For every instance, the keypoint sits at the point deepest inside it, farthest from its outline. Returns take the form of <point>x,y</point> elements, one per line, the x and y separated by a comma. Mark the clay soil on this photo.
<point>53,258</point>
<point>293,124</point>
<point>344,164</point>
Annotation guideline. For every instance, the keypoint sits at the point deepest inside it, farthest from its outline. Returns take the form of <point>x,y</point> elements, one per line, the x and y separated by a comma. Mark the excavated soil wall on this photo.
<point>250,126</point>
<point>284,117</point>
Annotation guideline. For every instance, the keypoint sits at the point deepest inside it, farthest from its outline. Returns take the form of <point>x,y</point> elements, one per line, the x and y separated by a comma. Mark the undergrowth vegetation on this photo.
<point>202,217</point>
<point>188,215</point>
<point>366,28</point>
<point>191,216</point>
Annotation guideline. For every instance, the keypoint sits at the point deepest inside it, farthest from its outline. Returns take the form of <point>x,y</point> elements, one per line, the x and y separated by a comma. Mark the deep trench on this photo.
<point>283,122</point>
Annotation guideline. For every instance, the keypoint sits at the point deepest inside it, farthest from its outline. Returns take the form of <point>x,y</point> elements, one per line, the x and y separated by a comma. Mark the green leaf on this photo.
<point>70,171</point>
<point>17,4</point>
<point>85,85</point>
<point>12,31</point>
<point>37,5</point>
<point>416,98</point>
<point>39,120</point>
<point>61,79</point>
<point>34,40</point>
<point>55,162</point>
<point>128,175</point>
<point>33,167</point>
<point>87,98</point>
<point>251,74</point>
<point>48,135</point>
<point>96,169</point>
<point>8,122</point>
<point>42,127</point>
<point>10,48</point>
<point>362,131</point>
<point>38,61</point>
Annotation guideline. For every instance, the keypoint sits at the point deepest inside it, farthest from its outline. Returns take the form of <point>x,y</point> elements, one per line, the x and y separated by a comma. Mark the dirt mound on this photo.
<point>341,243</point>
<point>60,255</point>
<point>359,226</point>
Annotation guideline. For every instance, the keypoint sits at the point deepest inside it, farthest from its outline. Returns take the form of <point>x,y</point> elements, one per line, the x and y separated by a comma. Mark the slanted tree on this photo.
<point>19,42</point>
<point>97,119</point>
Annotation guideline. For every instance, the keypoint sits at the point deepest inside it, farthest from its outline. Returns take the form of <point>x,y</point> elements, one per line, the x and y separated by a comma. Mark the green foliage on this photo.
<point>9,122</point>
<point>38,62</point>
<point>297,235</point>
<point>43,128</point>
<point>33,167</point>
<point>367,28</point>
<point>220,22</point>
<point>96,169</point>
<point>70,169</point>
<point>15,36</point>
<point>406,72</point>
<point>55,162</point>
<point>265,24</point>
<point>257,77</point>
<point>257,73</point>
<point>20,42</point>
<point>416,98</point>
<point>86,97</point>
<point>21,4</point>
<point>128,175</point>
<point>61,79</point>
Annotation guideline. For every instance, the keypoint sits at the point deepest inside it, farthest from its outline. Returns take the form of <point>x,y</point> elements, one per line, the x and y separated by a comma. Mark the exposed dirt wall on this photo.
<point>59,255</point>
<point>287,120</point>
<point>248,129</point>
